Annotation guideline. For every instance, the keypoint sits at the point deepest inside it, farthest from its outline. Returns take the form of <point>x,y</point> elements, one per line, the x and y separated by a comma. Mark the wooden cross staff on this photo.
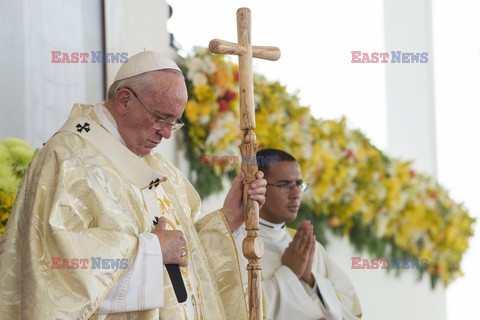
<point>252,245</point>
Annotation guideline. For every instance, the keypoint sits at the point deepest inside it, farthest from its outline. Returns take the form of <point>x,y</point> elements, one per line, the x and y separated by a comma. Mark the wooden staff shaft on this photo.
<point>252,246</point>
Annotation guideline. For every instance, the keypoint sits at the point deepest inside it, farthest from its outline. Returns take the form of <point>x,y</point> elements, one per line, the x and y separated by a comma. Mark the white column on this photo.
<point>12,47</point>
<point>410,95</point>
<point>411,136</point>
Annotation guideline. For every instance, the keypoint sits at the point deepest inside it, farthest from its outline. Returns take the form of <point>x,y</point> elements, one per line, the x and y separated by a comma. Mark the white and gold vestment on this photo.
<point>86,195</point>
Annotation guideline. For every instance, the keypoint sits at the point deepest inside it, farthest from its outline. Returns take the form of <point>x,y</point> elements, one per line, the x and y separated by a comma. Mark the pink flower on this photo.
<point>349,154</point>
<point>223,104</point>
<point>230,95</point>
<point>412,173</point>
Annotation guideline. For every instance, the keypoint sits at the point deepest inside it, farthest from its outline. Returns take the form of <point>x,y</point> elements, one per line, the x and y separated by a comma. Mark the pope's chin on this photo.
<point>292,213</point>
<point>146,149</point>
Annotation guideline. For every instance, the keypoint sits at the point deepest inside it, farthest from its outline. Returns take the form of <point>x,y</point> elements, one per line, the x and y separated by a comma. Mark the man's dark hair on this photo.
<point>274,155</point>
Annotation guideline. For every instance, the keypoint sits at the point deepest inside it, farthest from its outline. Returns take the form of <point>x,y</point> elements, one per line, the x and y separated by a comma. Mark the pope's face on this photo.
<point>281,205</point>
<point>166,100</point>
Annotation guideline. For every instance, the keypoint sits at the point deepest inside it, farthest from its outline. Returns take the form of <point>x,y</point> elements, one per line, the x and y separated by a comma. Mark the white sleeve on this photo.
<point>336,289</point>
<point>312,292</point>
<point>140,287</point>
<point>285,296</point>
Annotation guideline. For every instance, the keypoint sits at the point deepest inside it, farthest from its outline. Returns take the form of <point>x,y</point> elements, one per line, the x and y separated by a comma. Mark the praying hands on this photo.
<point>299,254</point>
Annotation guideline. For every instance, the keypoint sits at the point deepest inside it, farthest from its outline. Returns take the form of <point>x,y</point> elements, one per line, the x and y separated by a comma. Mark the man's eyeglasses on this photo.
<point>177,124</point>
<point>287,187</point>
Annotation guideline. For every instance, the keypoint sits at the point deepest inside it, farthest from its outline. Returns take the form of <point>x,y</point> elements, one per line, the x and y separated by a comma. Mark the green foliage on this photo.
<point>15,155</point>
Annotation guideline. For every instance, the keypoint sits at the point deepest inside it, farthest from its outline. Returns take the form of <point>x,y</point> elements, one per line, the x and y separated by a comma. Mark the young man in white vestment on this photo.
<point>101,218</point>
<point>299,280</point>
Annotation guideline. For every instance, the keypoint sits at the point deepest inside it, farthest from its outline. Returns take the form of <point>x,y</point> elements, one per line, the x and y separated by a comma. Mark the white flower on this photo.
<point>430,203</point>
<point>204,120</point>
<point>326,129</point>
<point>208,66</point>
<point>200,50</point>
<point>221,128</point>
<point>232,150</point>
<point>289,131</point>
<point>403,199</point>
<point>352,172</point>
<point>352,145</point>
<point>327,146</point>
<point>307,149</point>
<point>199,79</point>
<point>382,192</point>
<point>382,223</point>
<point>194,65</point>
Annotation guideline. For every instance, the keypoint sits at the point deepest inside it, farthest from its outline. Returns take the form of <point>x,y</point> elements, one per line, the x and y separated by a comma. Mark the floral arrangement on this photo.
<point>211,117</point>
<point>15,155</point>
<point>382,204</point>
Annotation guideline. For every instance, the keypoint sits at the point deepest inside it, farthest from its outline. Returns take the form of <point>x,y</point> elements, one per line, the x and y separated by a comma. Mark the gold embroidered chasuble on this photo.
<point>75,202</point>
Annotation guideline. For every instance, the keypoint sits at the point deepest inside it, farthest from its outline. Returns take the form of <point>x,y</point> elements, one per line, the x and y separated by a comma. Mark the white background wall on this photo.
<point>316,40</point>
<point>37,95</point>
<point>382,294</point>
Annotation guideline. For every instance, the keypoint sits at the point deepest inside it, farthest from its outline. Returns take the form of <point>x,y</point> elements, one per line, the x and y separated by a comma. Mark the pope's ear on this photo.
<point>121,101</point>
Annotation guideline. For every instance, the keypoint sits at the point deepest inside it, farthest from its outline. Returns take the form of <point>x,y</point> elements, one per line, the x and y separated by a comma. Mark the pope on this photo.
<point>98,190</point>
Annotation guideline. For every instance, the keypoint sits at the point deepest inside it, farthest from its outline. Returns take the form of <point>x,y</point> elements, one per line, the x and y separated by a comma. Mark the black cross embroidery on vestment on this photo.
<point>86,127</point>
<point>154,184</point>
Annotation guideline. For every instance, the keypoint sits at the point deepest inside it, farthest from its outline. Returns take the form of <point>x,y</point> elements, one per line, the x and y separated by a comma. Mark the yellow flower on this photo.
<point>207,108</point>
<point>204,93</point>
<point>191,111</point>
